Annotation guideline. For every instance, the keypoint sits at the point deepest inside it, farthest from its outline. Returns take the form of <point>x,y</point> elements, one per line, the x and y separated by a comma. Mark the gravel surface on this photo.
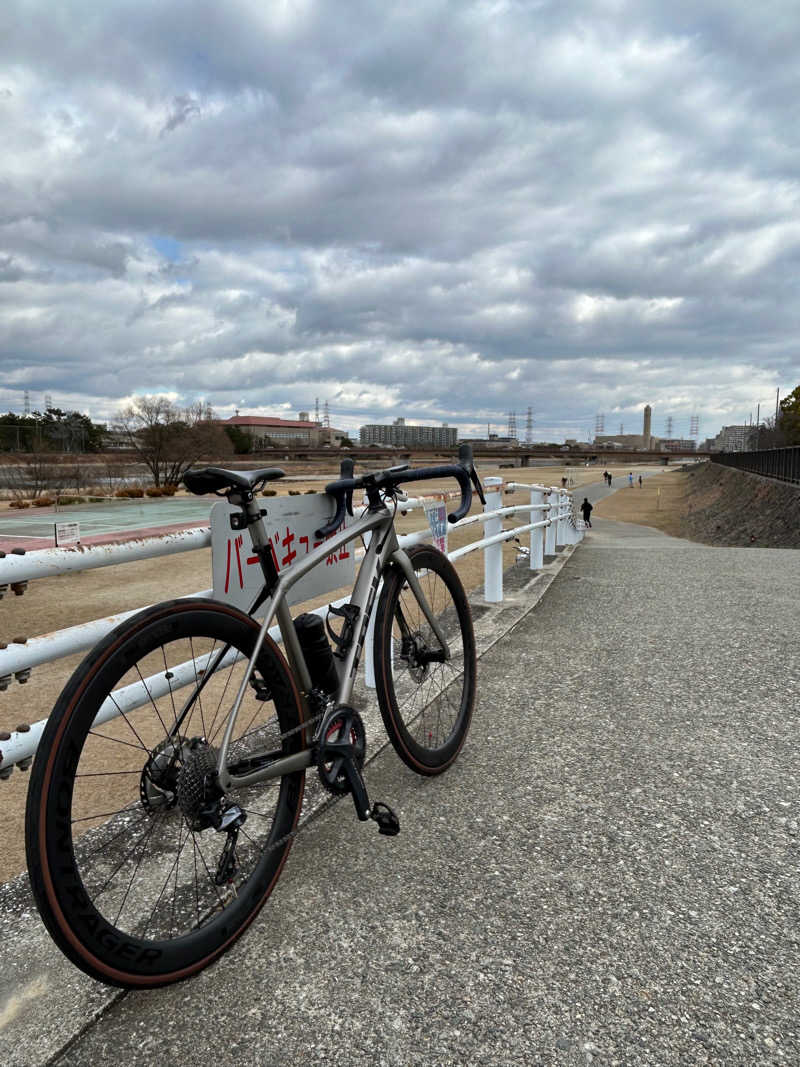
<point>608,875</point>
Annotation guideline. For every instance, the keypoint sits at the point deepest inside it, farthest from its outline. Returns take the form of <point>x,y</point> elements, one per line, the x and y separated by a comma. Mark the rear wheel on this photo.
<point>131,877</point>
<point>425,699</point>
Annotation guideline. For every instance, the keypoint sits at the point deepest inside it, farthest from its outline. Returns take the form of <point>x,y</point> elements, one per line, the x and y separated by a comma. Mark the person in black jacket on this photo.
<point>586,508</point>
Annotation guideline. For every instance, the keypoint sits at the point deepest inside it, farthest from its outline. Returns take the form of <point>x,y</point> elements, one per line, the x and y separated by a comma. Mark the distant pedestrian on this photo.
<point>630,479</point>
<point>640,481</point>
<point>586,508</point>
<point>609,480</point>
<point>563,483</point>
<point>605,477</point>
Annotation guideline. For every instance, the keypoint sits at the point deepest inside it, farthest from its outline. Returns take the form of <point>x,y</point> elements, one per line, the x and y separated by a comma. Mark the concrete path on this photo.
<point>609,874</point>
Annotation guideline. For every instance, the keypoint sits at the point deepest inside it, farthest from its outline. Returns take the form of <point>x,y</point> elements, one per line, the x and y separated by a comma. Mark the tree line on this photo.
<point>168,439</point>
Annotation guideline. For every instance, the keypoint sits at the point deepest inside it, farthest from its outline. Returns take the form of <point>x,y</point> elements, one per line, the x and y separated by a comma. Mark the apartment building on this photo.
<point>408,436</point>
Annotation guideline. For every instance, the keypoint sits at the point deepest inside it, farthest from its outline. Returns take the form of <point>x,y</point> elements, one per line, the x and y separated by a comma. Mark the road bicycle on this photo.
<point>168,785</point>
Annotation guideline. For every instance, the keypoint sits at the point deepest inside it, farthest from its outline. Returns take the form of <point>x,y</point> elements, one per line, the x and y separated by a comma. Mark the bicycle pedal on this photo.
<point>387,821</point>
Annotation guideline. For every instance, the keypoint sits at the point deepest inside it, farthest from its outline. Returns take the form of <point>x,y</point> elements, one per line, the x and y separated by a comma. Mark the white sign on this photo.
<point>67,533</point>
<point>436,512</point>
<point>290,523</point>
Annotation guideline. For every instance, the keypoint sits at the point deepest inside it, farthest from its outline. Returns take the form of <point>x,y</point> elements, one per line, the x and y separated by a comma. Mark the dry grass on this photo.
<point>661,503</point>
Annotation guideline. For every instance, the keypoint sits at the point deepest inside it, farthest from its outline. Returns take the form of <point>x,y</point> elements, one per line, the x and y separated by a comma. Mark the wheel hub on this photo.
<point>159,782</point>
<point>180,773</point>
<point>413,653</point>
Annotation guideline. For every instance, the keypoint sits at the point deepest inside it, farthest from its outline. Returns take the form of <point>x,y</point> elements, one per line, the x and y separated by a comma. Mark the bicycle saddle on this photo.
<point>212,479</point>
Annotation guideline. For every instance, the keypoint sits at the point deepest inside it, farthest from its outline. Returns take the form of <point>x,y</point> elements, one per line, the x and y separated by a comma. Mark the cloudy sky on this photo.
<point>441,210</point>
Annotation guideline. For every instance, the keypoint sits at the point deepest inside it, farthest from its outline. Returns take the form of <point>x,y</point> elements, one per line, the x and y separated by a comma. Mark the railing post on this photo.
<point>537,536</point>
<point>552,515</point>
<point>493,555</point>
<point>561,525</point>
<point>566,520</point>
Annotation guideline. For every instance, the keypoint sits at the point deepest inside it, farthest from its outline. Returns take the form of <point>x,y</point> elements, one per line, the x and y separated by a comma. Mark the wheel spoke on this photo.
<point>138,786</point>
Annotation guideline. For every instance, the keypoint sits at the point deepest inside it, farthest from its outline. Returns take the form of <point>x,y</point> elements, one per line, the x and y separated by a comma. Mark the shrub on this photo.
<point>20,504</point>
<point>270,492</point>
<point>294,492</point>
<point>169,490</point>
<point>62,500</point>
<point>154,490</point>
<point>96,499</point>
<point>43,502</point>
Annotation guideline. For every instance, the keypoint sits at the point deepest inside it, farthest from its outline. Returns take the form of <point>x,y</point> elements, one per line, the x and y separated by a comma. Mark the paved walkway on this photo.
<point>610,874</point>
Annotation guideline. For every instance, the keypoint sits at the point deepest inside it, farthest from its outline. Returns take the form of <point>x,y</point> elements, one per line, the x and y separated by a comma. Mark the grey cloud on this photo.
<point>505,201</point>
<point>183,109</point>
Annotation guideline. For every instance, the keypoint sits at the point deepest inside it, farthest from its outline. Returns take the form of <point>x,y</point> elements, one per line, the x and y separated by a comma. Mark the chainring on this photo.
<point>336,781</point>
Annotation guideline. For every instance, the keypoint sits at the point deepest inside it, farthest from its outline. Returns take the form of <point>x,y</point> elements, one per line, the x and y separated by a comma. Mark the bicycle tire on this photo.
<point>95,872</point>
<point>426,707</point>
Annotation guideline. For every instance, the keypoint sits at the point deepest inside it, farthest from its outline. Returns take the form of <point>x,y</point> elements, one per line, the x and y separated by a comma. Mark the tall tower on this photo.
<point>599,424</point>
<point>646,427</point>
<point>669,427</point>
<point>512,425</point>
<point>326,418</point>
<point>529,427</point>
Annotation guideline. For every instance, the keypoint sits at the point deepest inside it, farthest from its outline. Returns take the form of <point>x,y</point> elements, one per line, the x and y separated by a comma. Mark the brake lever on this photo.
<point>346,469</point>
<point>466,461</point>
<point>473,474</point>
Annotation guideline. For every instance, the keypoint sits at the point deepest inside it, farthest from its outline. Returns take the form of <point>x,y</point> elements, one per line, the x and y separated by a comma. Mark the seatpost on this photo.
<point>250,518</point>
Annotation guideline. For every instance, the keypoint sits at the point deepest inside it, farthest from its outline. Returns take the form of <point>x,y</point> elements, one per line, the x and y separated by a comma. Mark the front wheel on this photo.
<point>136,877</point>
<point>426,700</point>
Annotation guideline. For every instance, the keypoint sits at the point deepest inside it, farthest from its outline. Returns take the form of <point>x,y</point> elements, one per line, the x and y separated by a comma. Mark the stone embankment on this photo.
<point>724,506</point>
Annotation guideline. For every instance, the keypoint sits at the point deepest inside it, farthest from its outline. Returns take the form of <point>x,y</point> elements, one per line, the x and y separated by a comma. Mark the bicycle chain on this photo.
<point>333,798</point>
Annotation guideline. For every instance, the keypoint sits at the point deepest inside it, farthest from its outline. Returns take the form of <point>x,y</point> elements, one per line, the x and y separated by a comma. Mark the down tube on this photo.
<point>382,544</point>
<point>285,582</point>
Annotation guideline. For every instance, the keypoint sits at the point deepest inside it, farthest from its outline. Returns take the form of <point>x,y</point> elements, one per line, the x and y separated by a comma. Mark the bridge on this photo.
<point>608,874</point>
<point>522,456</point>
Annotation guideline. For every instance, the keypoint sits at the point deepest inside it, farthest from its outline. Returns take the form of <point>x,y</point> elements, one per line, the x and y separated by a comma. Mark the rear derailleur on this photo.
<point>182,773</point>
<point>341,745</point>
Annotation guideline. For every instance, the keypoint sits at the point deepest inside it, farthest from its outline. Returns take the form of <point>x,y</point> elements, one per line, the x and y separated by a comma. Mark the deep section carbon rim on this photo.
<point>132,877</point>
<point>426,701</point>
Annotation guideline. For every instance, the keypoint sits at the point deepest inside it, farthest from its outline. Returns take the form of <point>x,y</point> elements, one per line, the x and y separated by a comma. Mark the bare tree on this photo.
<point>32,473</point>
<point>115,471</point>
<point>168,440</point>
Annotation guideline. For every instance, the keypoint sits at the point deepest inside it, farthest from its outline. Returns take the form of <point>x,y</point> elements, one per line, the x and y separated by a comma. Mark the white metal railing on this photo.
<point>554,527</point>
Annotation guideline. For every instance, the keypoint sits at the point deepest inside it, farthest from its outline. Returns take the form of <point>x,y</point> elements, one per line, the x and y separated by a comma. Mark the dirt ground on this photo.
<point>713,505</point>
<point>55,603</point>
<point>660,502</point>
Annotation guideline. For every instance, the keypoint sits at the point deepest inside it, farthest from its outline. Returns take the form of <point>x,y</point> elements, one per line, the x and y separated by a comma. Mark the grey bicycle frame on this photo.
<point>383,549</point>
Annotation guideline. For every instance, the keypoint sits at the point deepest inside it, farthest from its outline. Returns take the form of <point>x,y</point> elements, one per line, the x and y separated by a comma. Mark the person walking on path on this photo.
<point>640,481</point>
<point>605,477</point>
<point>609,480</point>
<point>630,479</point>
<point>586,508</point>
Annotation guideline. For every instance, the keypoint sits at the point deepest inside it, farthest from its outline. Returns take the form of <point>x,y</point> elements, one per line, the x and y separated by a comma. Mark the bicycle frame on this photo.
<point>383,550</point>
